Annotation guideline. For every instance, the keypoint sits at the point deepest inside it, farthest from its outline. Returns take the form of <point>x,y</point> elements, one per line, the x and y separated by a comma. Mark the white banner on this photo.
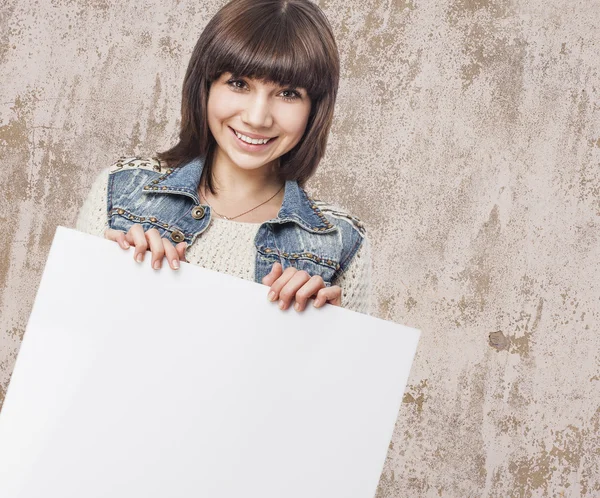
<point>132,382</point>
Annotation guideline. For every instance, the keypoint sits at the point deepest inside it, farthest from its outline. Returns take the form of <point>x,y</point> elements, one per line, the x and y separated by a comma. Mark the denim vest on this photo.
<point>306,234</point>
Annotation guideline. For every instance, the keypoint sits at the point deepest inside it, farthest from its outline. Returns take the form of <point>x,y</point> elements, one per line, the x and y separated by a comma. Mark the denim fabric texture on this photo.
<point>306,234</point>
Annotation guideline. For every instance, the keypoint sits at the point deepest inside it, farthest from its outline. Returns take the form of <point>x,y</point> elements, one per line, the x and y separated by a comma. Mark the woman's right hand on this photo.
<point>150,240</point>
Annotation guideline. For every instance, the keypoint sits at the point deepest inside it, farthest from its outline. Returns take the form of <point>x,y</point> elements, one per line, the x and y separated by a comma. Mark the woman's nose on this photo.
<point>257,113</point>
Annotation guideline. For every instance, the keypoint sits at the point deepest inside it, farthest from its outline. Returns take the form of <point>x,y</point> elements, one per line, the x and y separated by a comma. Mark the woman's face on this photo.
<point>255,122</point>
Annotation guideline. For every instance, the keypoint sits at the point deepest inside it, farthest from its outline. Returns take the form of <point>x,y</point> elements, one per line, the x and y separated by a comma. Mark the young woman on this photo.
<point>257,106</point>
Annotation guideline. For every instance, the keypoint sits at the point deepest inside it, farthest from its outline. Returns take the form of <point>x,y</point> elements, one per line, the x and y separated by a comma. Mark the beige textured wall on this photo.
<point>467,137</point>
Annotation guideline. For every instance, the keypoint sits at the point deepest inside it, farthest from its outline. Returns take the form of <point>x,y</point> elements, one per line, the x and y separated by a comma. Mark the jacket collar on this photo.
<point>297,207</point>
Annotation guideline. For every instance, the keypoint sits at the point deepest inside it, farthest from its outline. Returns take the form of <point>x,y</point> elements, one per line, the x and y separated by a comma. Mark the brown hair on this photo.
<point>287,42</point>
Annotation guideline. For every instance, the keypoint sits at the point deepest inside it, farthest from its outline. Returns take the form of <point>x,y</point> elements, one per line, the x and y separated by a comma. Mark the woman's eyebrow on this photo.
<point>291,85</point>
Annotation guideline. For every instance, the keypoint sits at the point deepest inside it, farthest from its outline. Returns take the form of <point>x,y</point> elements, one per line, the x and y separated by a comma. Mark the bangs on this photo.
<point>272,48</point>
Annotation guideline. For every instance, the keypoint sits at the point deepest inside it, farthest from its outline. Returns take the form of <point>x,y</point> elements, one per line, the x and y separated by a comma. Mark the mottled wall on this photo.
<point>467,137</point>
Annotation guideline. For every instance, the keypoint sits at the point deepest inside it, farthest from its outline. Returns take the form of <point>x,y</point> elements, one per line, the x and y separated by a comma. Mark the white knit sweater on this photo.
<point>227,246</point>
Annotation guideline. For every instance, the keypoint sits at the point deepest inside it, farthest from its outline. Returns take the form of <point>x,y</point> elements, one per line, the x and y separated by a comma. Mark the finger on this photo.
<point>136,237</point>
<point>278,284</point>
<point>309,289</point>
<point>180,248</point>
<point>274,274</point>
<point>332,295</point>
<point>156,247</point>
<point>118,236</point>
<point>289,290</point>
<point>171,254</point>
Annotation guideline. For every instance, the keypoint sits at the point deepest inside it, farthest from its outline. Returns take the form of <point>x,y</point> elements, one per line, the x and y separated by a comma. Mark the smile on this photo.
<point>250,140</point>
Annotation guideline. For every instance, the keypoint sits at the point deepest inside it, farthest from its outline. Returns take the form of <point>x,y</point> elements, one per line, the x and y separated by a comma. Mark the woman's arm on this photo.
<point>93,215</point>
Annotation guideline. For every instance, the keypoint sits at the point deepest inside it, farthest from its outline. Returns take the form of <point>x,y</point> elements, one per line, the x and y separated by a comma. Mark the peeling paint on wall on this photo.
<point>466,136</point>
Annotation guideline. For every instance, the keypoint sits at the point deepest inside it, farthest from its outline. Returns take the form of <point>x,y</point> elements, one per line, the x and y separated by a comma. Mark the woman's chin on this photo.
<point>249,163</point>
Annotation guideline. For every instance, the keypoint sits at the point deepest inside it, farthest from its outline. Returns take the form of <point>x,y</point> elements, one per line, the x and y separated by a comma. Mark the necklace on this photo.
<point>234,217</point>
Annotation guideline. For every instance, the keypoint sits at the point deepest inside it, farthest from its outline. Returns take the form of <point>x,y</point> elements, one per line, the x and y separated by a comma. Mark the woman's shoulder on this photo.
<point>124,163</point>
<point>338,213</point>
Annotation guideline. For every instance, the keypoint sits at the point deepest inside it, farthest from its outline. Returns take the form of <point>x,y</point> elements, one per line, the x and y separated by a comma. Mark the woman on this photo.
<point>257,106</point>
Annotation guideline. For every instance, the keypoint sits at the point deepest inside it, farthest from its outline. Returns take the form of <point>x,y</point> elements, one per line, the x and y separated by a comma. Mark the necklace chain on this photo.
<point>242,214</point>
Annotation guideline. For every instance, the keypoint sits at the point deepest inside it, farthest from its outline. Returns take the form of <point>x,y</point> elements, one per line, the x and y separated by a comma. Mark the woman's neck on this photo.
<point>238,190</point>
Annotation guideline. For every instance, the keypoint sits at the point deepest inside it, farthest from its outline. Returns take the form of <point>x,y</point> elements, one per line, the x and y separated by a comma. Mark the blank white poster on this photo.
<point>132,382</point>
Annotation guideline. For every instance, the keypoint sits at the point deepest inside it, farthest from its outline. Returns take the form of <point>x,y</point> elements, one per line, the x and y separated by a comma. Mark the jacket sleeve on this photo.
<point>356,281</point>
<point>93,214</point>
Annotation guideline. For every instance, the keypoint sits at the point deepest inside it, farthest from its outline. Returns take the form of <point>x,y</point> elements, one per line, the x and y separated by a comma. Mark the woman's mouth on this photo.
<point>249,143</point>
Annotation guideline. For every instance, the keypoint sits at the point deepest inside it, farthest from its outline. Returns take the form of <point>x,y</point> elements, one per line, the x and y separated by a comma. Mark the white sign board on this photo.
<point>132,382</point>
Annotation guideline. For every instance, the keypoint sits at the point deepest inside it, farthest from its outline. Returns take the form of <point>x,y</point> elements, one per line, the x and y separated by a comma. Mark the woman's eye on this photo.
<point>290,94</point>
<point>237,84</point>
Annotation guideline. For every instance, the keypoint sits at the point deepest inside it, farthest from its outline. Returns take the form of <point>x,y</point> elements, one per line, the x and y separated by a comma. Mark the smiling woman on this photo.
<point>254,122</point>
<point>257,106</point>
<point>287,43</point>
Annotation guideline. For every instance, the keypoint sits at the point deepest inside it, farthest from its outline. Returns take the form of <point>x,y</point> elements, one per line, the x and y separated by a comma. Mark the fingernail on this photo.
<point>176,264</point>
<point>156,265</point>
<point>271,296</point>
<point>297,306</point>
<point>139,258</point>
<point>126,244</point>
<point>281,304</point>
<point>315,303</point>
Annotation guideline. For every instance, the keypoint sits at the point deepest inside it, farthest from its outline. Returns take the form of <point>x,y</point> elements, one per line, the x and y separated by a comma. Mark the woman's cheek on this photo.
<point>295,119</point>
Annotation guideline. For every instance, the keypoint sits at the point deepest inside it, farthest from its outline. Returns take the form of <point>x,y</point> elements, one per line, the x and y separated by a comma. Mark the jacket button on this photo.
<point>198,213</point>
<point>177,236</point>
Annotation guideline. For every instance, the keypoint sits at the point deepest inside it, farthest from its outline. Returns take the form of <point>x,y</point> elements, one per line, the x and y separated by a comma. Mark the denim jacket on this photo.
<point>306,234</point>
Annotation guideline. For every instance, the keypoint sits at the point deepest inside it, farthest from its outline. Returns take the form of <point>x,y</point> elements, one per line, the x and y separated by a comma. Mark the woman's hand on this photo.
<point>299,285</point>
<point>150,240</point>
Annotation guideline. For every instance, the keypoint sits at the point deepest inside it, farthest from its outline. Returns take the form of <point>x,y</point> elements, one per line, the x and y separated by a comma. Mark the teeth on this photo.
<point>255,141</point>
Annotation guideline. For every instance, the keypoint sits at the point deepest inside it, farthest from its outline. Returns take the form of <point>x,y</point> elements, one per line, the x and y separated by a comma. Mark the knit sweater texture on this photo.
<point>227,246</point>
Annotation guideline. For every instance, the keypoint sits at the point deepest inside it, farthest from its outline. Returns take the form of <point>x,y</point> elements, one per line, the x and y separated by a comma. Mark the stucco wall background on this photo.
<point>467,137</point>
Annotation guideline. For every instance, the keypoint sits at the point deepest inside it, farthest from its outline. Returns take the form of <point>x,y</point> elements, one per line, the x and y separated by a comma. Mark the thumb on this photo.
<point>180,248</point>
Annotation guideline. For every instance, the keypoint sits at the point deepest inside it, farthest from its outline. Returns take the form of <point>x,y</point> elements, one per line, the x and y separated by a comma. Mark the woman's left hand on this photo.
<point>299,285</point>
